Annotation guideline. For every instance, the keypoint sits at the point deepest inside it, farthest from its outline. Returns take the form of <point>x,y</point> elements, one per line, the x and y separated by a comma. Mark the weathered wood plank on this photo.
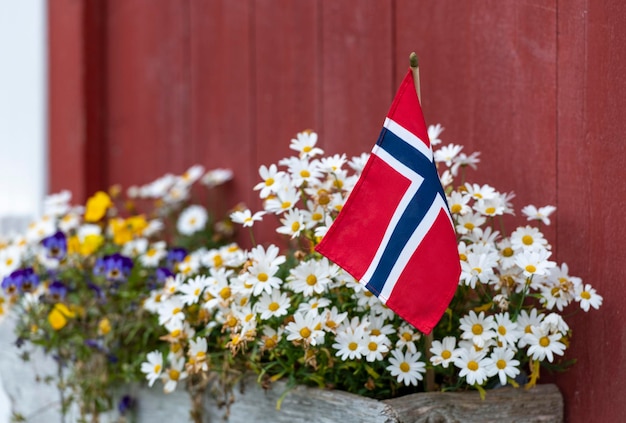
<point>591,195</point>
<point>148,90</point>
<point>543,403</point>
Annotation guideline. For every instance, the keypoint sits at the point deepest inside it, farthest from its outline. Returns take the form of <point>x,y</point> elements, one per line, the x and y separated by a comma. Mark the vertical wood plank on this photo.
<point>148,89</point>
<point>357,73</point>
<point>591,191</point>
<point>488,72</point>
<point>222,101</point>
<point>65,100</point>
<point>287,74</point>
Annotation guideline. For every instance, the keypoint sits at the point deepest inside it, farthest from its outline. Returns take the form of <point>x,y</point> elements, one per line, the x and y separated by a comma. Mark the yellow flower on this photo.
<point>97,206</point>
<point>125,230</point>
<point>91,244</point>
<point>58,316</point>
<point>104,326</point>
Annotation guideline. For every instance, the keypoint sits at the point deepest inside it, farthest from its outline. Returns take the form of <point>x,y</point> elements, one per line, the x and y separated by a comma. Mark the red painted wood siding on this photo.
<point>139,88</point>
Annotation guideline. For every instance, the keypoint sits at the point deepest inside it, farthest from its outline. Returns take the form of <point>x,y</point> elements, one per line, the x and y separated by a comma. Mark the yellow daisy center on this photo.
<point>269,182</point>
<point>352,346</point>
<point>544,341</point>
<point>273,306</point>
<point>225,293</point>
<point>477,270</point>
<point>527,240</point>
<point>490,210</point>
<point>463,257</point>
<point>218,261</point>
<point>477,329</point>
<point>472,365</point>
<point>262,277</point>
<point>507,252</point>
<point>372,346</point>
<point>405,367</point>
<point>311,280</point>
<point>501,364</point>
<point>456,208</point>
<point>530,268</point>
<point>295,226</point>
<point>445,354</point>
<point>174,374</point>
<point>157,368</point>
<point>307,148</point>
<point>375,332</point>
<point>305,332</point>
<point>502,330</point>
<point>285,204</point>
<point>585,295</point>
<point>305,173</point>
<point>407,336</point>
<point>469,225</point>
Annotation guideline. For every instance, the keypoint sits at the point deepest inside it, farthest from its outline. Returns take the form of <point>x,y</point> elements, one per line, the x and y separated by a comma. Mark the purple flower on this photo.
<point>57,290</point>
<point>114,267</point>
<point>55,245</point>
<point>162,273</point>
<point>175,256</point>
<point>21,280</point>
<point>126,404</point>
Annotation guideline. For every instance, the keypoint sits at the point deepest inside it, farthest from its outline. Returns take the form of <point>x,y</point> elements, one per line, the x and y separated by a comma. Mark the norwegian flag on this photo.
<point>395,234</point>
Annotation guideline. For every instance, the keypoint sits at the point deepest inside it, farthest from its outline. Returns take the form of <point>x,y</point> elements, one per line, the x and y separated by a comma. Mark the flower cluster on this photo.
<point>76,281</point>
<point>294,315</point>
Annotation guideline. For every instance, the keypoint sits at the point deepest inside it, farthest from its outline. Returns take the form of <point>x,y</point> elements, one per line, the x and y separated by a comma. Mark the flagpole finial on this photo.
<point>413,60</point>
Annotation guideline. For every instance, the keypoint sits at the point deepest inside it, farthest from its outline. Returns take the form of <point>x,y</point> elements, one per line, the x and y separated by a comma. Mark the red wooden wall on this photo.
<point>139,88</point>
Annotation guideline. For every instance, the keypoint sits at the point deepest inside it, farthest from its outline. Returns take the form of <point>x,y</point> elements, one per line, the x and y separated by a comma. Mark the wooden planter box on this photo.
<point>544,403</point>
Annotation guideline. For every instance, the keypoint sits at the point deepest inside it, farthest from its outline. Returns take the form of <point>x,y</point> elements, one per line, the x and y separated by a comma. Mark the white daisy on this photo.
<point>541,213</point>
<point>304,327</point>
<point>477,328</point>
<point>406,367</point>
<point>246,218</point>
<point>350,344</point>
<point>376,347</point>
<point>588,297</point>
<point>271,180</point>
<point>153,366</point>
<point>304,144</point>
<point>447,153</point>
<point>197,354</point>
<point>292,223</point>
<point>192,220</point>
<point>310,277</point>
<point>534,262</point>
<point>434,131</point>
<point>528,238</point>
<point>275,304</point>
<point>507,332</point>
<point>504,364</point>
<point>444,352</point>
<point>175,373</point>
<point>543,345</point>
<point>475,367</point>
<point>216,177</point>
<point>192,289</point>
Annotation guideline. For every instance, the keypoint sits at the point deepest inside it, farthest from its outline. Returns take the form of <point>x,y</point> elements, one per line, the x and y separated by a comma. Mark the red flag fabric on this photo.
<point>395,234</point>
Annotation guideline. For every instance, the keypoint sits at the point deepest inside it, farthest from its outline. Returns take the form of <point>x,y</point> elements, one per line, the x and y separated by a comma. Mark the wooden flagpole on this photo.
<point>416,74</point>
<point>428,340</point>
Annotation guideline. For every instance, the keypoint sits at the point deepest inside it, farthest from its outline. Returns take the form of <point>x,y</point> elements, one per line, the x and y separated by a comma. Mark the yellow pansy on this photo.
<point>104,326</point>
<point>125,230</point>
<point>97,206</point>
<point>59,315</point>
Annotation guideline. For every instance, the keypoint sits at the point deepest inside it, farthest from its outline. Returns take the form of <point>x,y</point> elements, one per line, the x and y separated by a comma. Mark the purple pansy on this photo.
<point>114,267</point>
<point>21,280</point>
<point>55,245</point>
